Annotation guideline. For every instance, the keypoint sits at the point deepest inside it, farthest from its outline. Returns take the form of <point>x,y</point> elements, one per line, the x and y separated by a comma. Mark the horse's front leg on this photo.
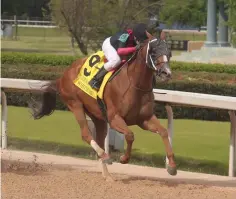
<point>153,124</point>
<point>119,124</point>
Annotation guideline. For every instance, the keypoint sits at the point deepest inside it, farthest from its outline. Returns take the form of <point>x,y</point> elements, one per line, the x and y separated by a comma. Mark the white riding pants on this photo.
<point>113,59</point>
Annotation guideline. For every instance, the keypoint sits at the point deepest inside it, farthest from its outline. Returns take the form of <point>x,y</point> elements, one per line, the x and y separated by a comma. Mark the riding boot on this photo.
<point>96,81</point>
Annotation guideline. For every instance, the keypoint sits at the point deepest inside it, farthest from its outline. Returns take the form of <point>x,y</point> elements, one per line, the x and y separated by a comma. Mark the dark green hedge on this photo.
<point>37,58</point>
<point>20,99</point>
<point>25,70</point>
<point>64,60</point>
<point>197,67</point>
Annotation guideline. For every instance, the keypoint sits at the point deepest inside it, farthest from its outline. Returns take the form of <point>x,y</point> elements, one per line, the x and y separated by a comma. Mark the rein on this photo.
<point>142,90</point>
<point>135,54</point>
<point>146,63</point>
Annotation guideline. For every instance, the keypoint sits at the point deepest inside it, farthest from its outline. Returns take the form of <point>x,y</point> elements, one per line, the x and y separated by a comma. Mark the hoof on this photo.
<point>171,170</point>
<point>124,159</point>
<point>107,161</point>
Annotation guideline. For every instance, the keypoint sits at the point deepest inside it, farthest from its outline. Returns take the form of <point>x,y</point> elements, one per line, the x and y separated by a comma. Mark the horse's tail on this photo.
<point>47,104</point>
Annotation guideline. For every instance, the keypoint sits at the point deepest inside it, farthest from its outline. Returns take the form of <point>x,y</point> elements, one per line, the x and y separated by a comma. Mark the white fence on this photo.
<point>30,23</point>
<point>52,24</point>
<point>171,98</point>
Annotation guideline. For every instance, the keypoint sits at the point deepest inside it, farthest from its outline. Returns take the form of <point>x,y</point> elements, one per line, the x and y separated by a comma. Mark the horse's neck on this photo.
<point>140,76</point>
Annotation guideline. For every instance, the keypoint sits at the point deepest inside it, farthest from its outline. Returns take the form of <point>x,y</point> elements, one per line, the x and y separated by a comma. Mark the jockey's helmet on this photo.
<point>139,32</point>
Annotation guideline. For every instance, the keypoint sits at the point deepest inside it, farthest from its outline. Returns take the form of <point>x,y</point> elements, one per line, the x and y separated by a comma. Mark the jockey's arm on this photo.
<point>125,51</point>
<point>122,49</point>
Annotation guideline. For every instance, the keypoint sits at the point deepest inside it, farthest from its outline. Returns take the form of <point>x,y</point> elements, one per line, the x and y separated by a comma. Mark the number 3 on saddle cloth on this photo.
<point>89,70</point>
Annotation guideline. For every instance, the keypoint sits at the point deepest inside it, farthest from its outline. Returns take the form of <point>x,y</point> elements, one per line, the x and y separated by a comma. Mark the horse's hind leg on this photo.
<point>77,108</point>
<point>101,132</point>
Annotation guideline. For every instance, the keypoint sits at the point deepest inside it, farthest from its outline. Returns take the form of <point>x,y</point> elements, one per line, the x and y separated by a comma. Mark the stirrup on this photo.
<point>97,80</point>
<point>95,83</point>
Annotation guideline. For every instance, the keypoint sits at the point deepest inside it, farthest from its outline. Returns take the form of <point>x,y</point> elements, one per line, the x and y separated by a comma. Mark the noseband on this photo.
<point>162,50</point>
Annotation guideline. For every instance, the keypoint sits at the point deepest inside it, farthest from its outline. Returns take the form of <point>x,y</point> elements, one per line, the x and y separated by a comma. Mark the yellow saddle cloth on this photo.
<point>88,71</point>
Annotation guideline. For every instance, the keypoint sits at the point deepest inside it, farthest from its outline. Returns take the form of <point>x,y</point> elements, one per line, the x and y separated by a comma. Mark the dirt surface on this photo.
<point>47,181</point>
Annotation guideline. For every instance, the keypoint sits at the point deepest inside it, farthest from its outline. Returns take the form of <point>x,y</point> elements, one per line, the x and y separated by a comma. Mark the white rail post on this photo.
<point>232,148</point>
<point>170,125</point>
<point>4,120</point>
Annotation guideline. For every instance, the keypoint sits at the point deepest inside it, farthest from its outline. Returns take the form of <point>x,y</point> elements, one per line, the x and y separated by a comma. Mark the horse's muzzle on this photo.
<point>165,73</point>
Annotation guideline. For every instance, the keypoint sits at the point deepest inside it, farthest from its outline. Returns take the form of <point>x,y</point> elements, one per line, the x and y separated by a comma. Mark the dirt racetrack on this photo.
<point>34,180</point>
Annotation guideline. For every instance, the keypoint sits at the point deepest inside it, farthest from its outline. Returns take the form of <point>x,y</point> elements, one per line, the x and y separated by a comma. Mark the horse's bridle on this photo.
<point>164,51</point>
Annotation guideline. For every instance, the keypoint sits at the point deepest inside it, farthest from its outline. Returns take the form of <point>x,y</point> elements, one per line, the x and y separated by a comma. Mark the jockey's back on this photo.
<point>123,43</point>
<point>123,39</point>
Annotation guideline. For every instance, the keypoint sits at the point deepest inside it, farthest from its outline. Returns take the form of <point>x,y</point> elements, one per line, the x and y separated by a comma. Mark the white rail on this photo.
<point>203,100</point>
<point>37,86</point>
<point>176,98</point>
<point>30,23</point>
<point>195,99</point>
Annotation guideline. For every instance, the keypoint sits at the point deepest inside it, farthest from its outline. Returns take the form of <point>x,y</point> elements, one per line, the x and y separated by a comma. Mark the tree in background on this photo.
<point>184,12</point>
<point>194,13</point>
<point>91,21</point>
<point>231,12</point>
<point>25,8</point>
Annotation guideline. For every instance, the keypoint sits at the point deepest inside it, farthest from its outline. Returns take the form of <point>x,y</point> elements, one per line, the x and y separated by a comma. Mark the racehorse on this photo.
<point>128,98</point>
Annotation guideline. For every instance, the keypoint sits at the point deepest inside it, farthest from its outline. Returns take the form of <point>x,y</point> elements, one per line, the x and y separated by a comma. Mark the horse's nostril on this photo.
<point>168,74</point>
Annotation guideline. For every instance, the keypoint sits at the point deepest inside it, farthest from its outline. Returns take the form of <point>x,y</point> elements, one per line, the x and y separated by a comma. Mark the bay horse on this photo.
<point>128,97</point>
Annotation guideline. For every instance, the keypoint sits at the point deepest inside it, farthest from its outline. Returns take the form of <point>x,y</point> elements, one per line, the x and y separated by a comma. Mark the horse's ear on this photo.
<point>149,35</point>
<point>163,35</point>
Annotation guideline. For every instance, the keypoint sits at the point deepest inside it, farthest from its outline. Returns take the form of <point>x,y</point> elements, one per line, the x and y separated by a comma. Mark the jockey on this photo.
<point>122,43</point>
